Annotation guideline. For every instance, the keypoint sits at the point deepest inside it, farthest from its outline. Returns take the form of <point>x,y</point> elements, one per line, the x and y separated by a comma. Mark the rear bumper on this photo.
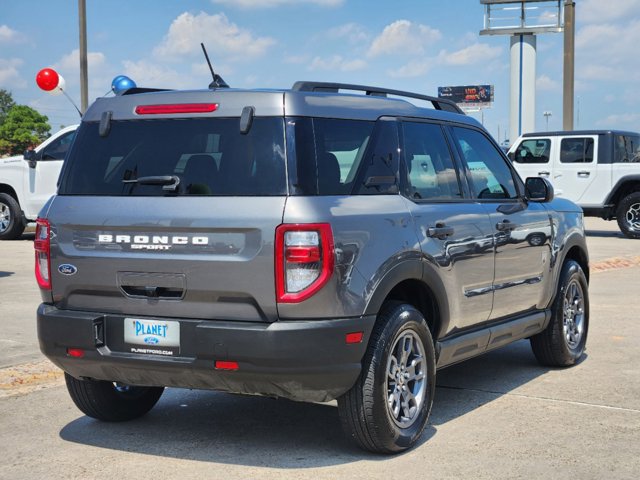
<point>301,360</point>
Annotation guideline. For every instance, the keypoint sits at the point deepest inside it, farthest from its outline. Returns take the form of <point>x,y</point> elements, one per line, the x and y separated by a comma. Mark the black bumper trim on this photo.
<point>305,360</point>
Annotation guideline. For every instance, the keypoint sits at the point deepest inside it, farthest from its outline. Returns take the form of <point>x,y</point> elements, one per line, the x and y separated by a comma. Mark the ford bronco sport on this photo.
<point>313,243</point>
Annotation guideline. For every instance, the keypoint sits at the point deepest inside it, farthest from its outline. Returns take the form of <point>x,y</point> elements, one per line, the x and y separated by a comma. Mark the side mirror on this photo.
<point>30,156</point>
<point>538,189</point>
<point>512,156</point>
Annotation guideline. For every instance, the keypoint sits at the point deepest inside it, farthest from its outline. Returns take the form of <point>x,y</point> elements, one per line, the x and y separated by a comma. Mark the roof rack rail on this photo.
<point>329,87</point>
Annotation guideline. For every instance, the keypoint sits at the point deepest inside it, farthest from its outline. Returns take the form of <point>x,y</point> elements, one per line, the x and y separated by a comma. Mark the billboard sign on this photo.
<point>468,96</point>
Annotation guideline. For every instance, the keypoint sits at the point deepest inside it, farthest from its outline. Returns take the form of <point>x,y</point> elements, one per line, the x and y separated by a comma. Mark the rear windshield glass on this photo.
<point>208,156</point>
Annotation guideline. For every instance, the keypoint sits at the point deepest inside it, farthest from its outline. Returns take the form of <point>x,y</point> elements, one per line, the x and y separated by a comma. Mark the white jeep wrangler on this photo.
<point>597,169</point>
<point>27,183</point>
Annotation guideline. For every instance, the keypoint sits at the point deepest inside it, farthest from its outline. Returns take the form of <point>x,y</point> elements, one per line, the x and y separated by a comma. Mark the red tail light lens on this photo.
<point>42,245</point>
<point>226,365</point>
<point>176,108</point>
<point>304,260</point>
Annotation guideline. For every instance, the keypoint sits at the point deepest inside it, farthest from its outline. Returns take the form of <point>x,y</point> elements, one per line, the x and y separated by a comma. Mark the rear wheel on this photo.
<point>11,222</point>
<point>111,401</point>
<point>563,342</point>
<point>387,409</point>
<point>628,215</point>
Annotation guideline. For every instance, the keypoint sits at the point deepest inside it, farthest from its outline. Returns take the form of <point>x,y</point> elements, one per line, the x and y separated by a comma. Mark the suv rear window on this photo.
<point>209,156</point>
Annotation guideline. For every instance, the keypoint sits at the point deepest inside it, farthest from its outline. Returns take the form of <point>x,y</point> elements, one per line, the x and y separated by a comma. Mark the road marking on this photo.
<point>614,263</point>
<point>544,399</point>
<point>28,377</point>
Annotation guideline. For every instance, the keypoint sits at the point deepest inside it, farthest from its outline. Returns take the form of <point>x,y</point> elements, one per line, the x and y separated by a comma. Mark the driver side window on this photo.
<point>57,149</point>
<point>490,176</point>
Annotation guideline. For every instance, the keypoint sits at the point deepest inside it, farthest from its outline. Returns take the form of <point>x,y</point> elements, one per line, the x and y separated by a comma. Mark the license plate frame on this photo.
<point>152,336</point>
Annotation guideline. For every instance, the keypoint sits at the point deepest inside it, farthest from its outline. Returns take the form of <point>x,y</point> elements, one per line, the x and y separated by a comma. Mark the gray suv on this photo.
<point>322,242</point>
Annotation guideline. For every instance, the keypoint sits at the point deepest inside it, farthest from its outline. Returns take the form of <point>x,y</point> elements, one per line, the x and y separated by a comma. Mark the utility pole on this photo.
<point>569,54</point>
<point>547,114</point>
<point>84,77</point>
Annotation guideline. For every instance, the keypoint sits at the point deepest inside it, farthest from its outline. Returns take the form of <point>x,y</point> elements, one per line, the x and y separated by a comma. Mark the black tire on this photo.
<point>365,414</point>
<point>628,215</point>
<point>564,340</point>
<point>111,402</point>
<point>11,221</point>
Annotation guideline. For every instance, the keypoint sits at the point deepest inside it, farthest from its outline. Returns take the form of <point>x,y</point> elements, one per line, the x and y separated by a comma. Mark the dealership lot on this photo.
<point>500,415</point>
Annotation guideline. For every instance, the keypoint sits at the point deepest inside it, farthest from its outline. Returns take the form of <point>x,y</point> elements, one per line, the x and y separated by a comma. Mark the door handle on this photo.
<point>544,173</point>
<point>440,231</point>
<point>584,174</point>
<point>505,226</point>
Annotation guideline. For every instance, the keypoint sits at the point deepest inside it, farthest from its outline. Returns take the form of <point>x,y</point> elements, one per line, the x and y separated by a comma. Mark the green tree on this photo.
<point>6,103</point>
<point>22,127</point>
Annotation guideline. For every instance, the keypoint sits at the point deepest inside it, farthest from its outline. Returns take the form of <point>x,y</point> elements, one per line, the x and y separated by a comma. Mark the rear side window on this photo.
<point>328,154</point>
<point>209,155</point>
<point>627,148</point>
<point>431,172</point>
<point>490,176</point>
<point>576,150</point>
<point>533,151</point>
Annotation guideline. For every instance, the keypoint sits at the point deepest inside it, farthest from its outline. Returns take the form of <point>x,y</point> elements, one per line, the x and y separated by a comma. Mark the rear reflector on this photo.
<point>75,352</point>
<point>42,245</point>
<point>226,365</point>
<point>176,108</point>
<point>355,337</point>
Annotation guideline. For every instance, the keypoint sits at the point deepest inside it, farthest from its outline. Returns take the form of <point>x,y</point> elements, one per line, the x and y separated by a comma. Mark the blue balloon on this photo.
<point>122,83</point>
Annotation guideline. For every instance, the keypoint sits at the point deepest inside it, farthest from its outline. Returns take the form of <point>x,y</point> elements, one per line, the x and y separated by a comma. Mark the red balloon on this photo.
<point>47,79</point>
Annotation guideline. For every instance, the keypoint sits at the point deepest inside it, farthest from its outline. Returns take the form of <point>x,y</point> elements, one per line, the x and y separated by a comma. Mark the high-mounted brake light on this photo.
<point>304,260</point>
<point>42,245</point>
<point>176,108</point>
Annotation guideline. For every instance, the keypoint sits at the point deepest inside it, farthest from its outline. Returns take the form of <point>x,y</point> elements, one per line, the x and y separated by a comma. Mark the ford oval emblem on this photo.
<point>67,269</point>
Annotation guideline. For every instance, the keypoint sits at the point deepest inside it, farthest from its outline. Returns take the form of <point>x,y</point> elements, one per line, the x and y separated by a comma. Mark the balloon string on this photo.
<point>72,102</point>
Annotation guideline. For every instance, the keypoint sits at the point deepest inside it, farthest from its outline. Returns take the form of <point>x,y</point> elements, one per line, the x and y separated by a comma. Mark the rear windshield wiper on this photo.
<point>169,182</point>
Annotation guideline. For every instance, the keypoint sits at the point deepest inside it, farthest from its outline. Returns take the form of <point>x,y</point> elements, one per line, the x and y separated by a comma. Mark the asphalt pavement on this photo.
<point>497,416</point>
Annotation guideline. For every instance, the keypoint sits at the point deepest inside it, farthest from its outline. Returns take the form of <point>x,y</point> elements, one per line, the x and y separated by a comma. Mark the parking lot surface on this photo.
<point>498,416</point>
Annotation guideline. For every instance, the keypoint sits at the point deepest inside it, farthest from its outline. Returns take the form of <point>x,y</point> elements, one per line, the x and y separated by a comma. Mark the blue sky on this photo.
<point>413,45</point>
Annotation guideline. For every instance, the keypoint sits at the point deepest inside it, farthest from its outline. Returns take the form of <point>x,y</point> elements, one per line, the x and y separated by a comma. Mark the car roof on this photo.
<point>560,133</point>
<point>276,102</point>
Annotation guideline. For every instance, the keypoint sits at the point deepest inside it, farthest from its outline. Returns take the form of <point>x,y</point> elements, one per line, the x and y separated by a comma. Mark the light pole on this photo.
<point>547,114</point>
<point>82,20</point>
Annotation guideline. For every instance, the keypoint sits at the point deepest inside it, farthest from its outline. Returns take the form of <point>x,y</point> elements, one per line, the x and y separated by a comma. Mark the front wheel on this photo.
<point>111,401</point>
<point>564,340</point>
<point>387,409</point>
<point>628,215</point>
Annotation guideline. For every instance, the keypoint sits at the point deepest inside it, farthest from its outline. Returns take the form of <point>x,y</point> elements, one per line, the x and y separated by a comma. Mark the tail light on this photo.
<point>304,260</point>
<point>42,246</point>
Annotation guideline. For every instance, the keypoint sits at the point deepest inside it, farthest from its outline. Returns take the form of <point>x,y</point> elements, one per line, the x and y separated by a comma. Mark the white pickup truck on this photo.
<point>26,185</point>
<point>597,169</point>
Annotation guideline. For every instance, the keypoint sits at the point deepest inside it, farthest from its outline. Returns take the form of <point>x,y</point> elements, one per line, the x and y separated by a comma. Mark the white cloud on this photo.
<point>404,37</point>
<point>70,63</point>
<point>155,75</point>
<point>8,35</point>
<point>296,59</point>
<point>599,11</point>
<point>546,83</point>
<point>221,37</point>
<point>351,31</point>
<point>337,62</point>
<point>414,68</point>
<point>276,3</point>
<point>621,120</point>
<point>471,55</point>
<point>9,75</point>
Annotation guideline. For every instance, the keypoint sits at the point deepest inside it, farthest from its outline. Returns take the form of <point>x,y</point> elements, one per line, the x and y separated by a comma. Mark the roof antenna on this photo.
<point>217,82</point>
